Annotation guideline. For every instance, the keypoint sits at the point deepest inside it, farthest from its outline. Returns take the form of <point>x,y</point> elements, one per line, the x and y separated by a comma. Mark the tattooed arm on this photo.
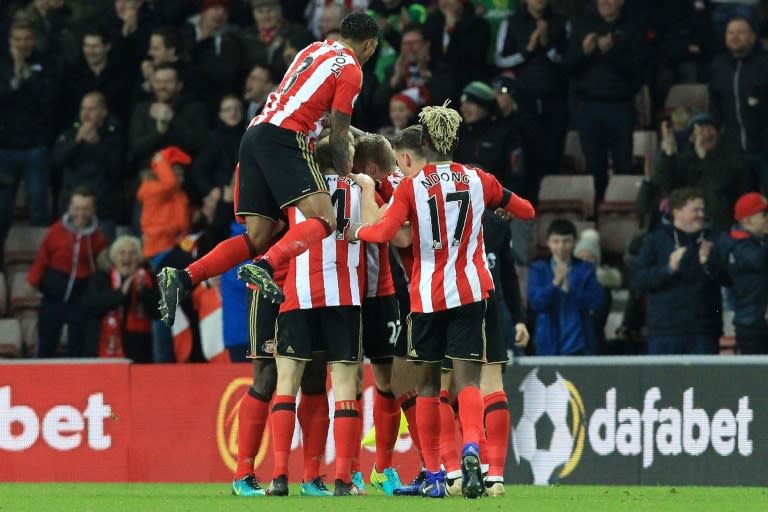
<point>339,138</point>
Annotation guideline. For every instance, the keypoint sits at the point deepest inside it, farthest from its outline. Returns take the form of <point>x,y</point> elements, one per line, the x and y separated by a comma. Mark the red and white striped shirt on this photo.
<point>444,203</point>
<point>324,76</point>
<point>329,273</point>
<point>378,272</point>
<point>386,188</point>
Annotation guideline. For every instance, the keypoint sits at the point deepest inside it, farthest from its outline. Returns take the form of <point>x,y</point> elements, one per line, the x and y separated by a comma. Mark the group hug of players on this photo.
<point>324,292</point>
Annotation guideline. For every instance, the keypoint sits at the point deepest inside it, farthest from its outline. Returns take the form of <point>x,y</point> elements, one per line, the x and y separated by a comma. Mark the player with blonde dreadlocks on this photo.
<point>444,202</point>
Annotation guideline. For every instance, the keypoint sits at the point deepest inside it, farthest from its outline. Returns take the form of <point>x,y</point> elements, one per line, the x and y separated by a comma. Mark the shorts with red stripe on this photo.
<point>335,330</point>
<point>276,169</point>
<point>381,328</point>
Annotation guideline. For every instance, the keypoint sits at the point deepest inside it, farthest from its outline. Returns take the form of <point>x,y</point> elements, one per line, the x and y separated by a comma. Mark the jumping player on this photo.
<point>277,169</point>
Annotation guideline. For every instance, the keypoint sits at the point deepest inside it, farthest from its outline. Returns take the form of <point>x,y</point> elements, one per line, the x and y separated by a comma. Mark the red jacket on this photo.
<point>65,259</point>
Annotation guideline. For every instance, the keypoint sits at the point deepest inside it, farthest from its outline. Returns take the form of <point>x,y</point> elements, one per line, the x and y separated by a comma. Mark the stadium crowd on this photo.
<point>127,116</point>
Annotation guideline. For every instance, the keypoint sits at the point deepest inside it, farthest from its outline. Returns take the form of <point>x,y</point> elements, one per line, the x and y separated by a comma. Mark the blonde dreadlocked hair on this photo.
<point>441,126</point>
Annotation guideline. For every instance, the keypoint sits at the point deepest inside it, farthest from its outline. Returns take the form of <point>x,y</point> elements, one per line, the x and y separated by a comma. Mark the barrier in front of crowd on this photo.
<point>102,422</point>
<point>603,420</point>
<point>671,420</point>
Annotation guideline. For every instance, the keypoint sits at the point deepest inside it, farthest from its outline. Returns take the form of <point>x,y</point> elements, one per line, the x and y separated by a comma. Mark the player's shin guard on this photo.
<point>448,453</point>
<point>223,257</point>
<point>252,418</point>
<point>386,420</point>
<point>346,436</point>
<point>471,415</point>
<point>496,431</point>
<point>428,420</point>
<point>283,422</point>
<point>312,412</point>
<point>297,240</point>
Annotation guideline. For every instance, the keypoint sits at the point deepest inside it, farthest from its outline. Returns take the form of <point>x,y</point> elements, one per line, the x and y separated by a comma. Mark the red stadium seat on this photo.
<point>616,232</point>
<point>645,146</point>
<point>28,320</point>
<point>573,159</point>
<point>3,295</point>
<point>22,243</point>
<point>10,338</point>
<point>23,296</point>
<point>728,345</point>
<point>688,95</point>
<point>621,193</point>
<point>567,193</point>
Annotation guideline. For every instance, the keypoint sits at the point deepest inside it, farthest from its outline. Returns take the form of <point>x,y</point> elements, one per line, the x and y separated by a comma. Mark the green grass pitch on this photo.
<point>212,497</point>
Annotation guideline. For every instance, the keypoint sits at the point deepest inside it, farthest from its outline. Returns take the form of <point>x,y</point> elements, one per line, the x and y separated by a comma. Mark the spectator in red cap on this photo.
<point>746,256</point>
<point>403,108</point>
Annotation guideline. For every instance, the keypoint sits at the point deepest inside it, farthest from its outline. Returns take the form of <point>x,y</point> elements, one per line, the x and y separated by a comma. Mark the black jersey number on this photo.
<point>339,201</point>
<point>434,216</point>
<point>295,76</point>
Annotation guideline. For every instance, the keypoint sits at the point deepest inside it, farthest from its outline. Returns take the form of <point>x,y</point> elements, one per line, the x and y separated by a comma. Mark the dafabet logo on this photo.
<point>227,424</point>
<point>552,441</point>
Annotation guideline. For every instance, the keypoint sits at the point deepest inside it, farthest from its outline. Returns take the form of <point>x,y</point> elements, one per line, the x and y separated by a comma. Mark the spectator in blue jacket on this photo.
<point>745,254</point>
<point>234,310</point>
<point>681,274</point>
<point>562,290</point>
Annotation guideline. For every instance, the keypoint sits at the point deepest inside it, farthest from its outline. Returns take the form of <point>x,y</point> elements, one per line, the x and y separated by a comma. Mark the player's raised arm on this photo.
<point>342,157</point>
<point>497,196</point>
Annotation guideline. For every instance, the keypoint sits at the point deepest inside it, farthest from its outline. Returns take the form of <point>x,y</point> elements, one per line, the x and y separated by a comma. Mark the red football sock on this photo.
<point>283,422</point>
<point>448,453</point>
<point>297,240</point>
<point>358,446</point>
<point>386,420</point>
<point>346,434</point>
<point>471,415</point>
<point>252,418</point>
<point>497,431</point>
<point>408,405</point>
<point>223,257</point>
<point>428,419</point>
<point>312,412</point>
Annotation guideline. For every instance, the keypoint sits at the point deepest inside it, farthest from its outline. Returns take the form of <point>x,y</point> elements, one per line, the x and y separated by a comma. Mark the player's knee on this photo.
<point>258,240</point>
<point>264,376</point>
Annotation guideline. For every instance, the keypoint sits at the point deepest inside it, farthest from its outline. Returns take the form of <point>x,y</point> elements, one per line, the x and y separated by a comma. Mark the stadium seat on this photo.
<point>522,276</point>
<point>567,193</point>
<point>20,208</point>
<point>3,295</point>
<point>616,232</point>
<point>123,230</point>
<point>643,107</point>
<point>573,157</point>
<point>728,346</point>
<point>645,146</point>
<point>728,327</point>
<point>621,193</point>
<point>612,323</point>
<point>688,95</point>
<point>10,337</point>
<point>23,296</point>
<point>28,320</point>
<point>22,243</point>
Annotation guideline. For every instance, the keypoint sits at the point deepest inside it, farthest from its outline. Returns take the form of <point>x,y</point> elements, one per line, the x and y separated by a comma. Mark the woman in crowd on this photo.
<point>121,303</point>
